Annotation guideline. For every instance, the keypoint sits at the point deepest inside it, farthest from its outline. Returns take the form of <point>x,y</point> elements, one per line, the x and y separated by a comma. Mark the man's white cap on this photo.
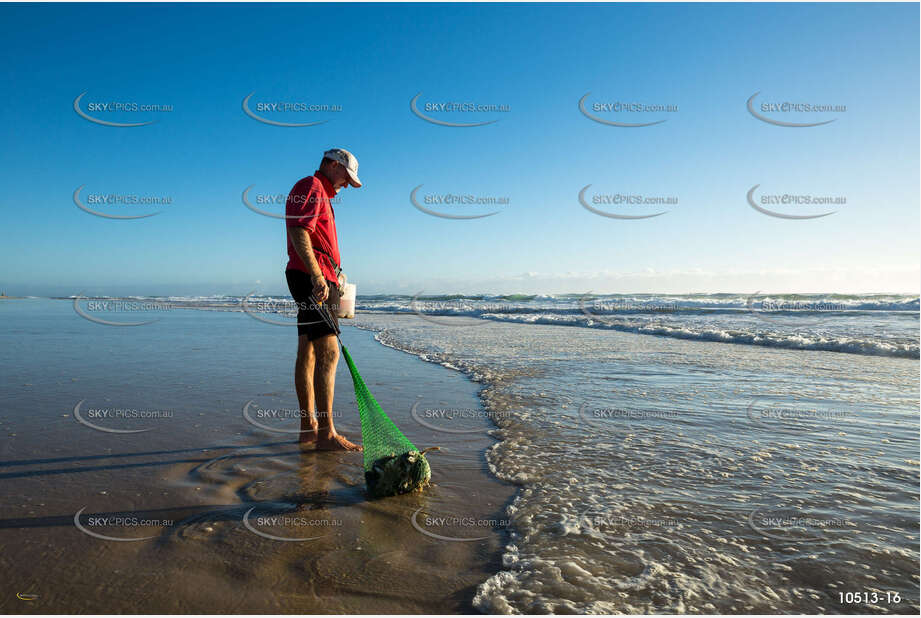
<point>348,161</point>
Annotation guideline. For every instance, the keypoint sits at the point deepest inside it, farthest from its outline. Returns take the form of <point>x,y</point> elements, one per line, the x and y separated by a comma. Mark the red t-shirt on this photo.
<point>309,204</point>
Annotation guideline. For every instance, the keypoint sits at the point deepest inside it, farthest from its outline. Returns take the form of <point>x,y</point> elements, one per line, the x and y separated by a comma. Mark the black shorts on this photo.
<point>310,317</point>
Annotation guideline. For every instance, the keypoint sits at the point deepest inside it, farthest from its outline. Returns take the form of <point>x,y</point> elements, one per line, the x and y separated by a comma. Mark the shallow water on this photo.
<point>670,475</point>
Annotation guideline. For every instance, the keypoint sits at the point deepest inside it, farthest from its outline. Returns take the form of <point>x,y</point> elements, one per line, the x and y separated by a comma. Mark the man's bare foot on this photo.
<point>308,435</point>
<point>336,442</point>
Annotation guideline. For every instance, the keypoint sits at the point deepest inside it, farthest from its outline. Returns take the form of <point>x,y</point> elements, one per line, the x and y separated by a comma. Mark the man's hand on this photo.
<point>320,289</point>
<point>300,239</point>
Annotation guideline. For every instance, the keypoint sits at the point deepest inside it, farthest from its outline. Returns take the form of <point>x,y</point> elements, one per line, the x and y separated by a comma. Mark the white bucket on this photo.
<point>347,301</point>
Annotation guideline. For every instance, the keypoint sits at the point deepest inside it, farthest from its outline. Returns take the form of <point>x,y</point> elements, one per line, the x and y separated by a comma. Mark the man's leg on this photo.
<point>326,354</point>
<point>303,384</point>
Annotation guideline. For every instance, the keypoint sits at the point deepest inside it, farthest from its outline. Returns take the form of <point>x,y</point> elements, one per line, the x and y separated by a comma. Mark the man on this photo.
<point>313,278</point>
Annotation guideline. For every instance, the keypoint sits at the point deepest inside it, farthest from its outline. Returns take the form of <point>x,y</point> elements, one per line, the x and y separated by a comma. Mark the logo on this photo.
<point>614,201</point>
<point>788,199</point>
<point>110,107</point>
<point>612,526</point>
<point>623,307</point>
<point>779,311</point>
<point>273,306</point>
<point>444,521</point>
<point>103,522</point>
<point>429,309</point>
<point>793,420</point>
<point>276,199</point>
<point>116,305</point>
<point>445,415</point>
<point>621,107</point>
<point>592,416</point>
<point>455,200</point>
<point>108,413</point>
<point>454,107</point>
<point>296,107</point>
<point>789,107</point>
<point>282,520</point>
<point>109,199</point>
<point>790,525</point>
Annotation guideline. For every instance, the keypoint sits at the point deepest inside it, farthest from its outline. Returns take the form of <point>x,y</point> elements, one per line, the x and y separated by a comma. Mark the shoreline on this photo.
<point>625,464</point>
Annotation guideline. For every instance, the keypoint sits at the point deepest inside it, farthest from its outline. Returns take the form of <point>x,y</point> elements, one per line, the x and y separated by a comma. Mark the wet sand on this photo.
<point>235,518</point>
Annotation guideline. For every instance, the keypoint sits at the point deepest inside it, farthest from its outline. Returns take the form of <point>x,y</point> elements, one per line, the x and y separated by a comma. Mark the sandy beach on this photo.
<point>222,505</point>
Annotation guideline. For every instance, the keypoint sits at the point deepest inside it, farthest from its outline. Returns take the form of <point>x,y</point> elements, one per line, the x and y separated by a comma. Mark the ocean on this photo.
<point>697,453</point>
<point>716,453</point>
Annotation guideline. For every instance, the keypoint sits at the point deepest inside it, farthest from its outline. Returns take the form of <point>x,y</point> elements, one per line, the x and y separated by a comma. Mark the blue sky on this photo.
<point>538,60</point>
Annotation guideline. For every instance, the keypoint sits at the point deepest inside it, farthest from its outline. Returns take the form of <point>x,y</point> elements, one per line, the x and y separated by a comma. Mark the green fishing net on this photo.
<point>393,464</point>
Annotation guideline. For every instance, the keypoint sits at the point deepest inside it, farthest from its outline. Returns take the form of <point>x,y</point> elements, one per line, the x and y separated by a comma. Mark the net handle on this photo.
<point>328,318</point>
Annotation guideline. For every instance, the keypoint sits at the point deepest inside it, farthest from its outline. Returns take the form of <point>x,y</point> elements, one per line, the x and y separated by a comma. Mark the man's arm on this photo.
<point>300,239</point>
